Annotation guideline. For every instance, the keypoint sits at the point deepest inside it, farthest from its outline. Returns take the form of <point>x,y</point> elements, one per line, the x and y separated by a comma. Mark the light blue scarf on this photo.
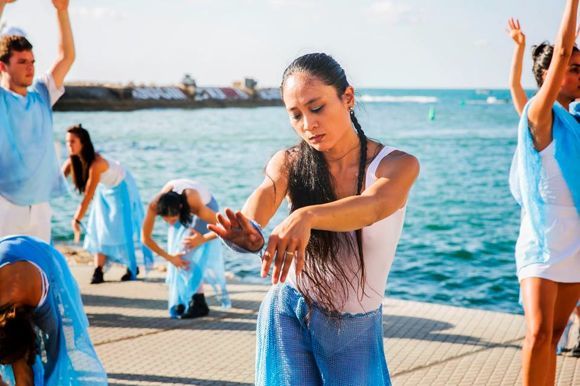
<point>527,167</point>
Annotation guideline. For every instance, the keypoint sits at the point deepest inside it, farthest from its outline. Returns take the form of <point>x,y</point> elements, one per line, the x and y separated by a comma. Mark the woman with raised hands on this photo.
<point>330,257</point>
<point>544,181</point>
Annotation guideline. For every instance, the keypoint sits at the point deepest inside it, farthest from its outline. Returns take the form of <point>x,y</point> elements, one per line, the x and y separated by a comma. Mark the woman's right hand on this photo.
<point>238,229</point>
<point>178,261</point>
<point>515,32</point>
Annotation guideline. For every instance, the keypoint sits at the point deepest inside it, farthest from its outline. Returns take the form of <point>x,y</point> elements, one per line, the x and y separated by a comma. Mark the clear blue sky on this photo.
<point>380,43</point>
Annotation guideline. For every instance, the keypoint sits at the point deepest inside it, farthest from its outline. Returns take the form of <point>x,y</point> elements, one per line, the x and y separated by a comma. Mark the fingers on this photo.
<point>232,217</point>
<point>245,223</point>
<point>268,256</point>
<point>279,259</point>
<point>248,228</point>
<point>300,259</point>
<point>290,256</point>
<point>218,230</point>
<point>223,221</point>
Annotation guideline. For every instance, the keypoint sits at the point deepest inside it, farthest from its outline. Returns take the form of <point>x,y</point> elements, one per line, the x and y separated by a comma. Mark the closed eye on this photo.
<point>317,109</point>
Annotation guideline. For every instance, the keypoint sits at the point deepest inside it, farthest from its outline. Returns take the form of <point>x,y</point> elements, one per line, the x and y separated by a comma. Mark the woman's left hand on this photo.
<point>76,230</point>
<point>287,242</point>
<point>194,240</point>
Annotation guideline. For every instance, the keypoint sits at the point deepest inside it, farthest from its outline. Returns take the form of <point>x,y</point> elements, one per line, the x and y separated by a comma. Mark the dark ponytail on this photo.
<point>175,204</point>
<point>310,183</point>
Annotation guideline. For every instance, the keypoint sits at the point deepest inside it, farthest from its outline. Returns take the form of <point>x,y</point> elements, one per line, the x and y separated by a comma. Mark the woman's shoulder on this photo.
<point>398,161</point>
<point>100,163</point>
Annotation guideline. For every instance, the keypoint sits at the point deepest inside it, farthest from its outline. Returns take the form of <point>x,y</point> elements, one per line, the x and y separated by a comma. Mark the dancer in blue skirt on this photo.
<point>194,253</point>
<point>321,322</point>
<point>43,327</point>
<point>116,216</point>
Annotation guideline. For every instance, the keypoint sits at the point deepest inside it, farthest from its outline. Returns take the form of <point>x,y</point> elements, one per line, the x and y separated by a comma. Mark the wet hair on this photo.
<point>310,183</point>
<point>11,43</point>
<point>17,334</point>
<point>175,204</point>
<point>81,164</point>
<point>542,57</point>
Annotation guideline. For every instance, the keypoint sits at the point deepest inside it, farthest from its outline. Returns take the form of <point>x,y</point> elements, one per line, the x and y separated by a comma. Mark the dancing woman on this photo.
<point>322,320</point>
<point>116,216</point>
<point>544,181</point>
<point>43,327</point>
<point>194,253</point>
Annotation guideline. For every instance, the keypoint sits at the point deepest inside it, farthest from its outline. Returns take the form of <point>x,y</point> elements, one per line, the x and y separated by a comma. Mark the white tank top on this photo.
<point>379,245</point>
<point>182,184</point>
<point>114,174</point>
<point>553,188</point>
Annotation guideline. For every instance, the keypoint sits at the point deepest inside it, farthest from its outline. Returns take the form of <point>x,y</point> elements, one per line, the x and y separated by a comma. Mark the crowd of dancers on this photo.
<point>329,258</point>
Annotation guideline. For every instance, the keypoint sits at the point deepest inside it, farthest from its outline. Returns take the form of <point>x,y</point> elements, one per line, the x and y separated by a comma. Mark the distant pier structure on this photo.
<point>186,95</point>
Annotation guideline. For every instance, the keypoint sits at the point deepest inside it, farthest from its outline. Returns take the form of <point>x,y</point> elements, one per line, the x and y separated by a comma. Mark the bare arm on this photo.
<point>540,111</point>
<point>147,231</point>
<point>95,171</point>
<point>3,4</point>
<point>519,96</point>
<point>267,198</point>
<point>396,175</point>
<point>66,47</point>
<point>66,168</point>
<point>260,207</point>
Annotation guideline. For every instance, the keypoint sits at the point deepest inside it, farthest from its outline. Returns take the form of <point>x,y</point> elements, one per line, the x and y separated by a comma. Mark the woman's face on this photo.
<point>571,83</point>
<point>317,114</point>
<point>73,144</point>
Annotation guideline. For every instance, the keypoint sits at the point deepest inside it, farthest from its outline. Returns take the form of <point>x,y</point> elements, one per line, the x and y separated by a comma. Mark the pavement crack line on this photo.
<point>487,347</point>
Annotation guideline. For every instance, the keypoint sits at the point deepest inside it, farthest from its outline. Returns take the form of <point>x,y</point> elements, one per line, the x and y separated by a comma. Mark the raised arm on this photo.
<point>396,175</point>
<point>540,111</point>
<point>519,96</point>
<point>66,47</point>
<point>3,4</point>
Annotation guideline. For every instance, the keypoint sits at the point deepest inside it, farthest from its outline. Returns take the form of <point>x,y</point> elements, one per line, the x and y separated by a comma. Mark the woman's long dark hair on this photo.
<point>17,334</point>
<point>310,183</point>
<point>81,164</point>
<point>175,204</point>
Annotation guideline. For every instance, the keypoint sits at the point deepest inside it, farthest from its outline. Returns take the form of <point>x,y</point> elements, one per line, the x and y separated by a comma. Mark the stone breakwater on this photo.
<point>100,97</point>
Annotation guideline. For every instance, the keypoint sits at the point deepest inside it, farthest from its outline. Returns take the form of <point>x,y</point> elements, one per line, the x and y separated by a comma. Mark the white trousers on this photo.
<point>30,220</point>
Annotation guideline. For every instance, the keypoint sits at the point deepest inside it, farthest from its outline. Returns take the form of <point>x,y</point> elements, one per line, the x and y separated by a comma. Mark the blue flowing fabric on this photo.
<point>206,265</point>
<point>114,224</point>
<point>337,350</point>
<point>68,357</point>
<point>29,169</point>
<point>526,171</point>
